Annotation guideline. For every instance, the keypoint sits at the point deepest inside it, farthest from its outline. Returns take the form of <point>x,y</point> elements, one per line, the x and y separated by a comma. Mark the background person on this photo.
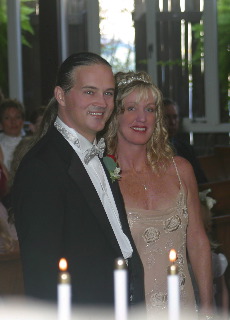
<point>181,147</point>
<point>36,119</point>
<point>8,235</point>
<point>25,144</point>
<point>12,119</point>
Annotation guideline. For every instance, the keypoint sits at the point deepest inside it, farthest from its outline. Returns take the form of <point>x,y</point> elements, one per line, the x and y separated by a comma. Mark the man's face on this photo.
<point>172,120</point>
<point>12,122</point>
<point>90,102</point>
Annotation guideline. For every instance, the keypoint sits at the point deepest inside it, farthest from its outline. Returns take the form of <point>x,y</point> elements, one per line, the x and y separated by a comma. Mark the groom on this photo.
<point>64,201</point>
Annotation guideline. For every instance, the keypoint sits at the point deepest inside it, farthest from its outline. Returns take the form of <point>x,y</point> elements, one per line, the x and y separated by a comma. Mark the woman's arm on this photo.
<point>198,245</point>
<point>222,297</point>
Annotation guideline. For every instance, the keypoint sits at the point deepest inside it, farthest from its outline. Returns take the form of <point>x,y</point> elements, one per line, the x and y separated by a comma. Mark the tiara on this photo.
<point>131,79</point>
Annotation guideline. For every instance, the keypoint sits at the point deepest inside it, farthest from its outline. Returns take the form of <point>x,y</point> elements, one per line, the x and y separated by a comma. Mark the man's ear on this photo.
<point>59,95</point>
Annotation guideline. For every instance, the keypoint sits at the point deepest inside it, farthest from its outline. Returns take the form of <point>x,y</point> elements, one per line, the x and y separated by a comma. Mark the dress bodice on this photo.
<point>155,233</point>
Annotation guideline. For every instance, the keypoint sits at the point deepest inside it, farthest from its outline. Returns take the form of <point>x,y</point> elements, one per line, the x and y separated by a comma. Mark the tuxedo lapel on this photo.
<point>78,173</point>
<point>119,202</point>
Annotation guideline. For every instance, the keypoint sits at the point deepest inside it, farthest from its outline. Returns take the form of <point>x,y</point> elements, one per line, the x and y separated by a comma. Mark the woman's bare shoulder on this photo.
<point>182,162</point>
<point>184,167</point>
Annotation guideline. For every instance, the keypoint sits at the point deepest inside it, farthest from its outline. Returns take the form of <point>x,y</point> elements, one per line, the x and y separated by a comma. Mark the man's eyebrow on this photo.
<point>95,88</point>
<point>89,87</point>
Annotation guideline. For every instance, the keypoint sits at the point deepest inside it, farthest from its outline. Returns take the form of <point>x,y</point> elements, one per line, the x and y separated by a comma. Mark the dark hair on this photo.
<point>11,103</point>
<point>64,77</point>
<point>37,113</point>
<point>65,80</point>
<point>168,101</point>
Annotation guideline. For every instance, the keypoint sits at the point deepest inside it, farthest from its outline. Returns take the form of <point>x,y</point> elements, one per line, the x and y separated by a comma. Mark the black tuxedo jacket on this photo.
<point>59,214</point>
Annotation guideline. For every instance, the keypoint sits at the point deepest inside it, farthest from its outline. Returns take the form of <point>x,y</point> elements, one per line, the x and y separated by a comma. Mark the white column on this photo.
<point>151,39</point>
<point>211,76</point>
<point>14,50</point>
<point>93,33</point>
<point>64,29</point>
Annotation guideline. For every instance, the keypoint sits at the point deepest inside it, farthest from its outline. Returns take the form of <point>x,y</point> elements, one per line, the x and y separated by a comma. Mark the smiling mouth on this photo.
<point>139,129</point>
<point>95,113</point>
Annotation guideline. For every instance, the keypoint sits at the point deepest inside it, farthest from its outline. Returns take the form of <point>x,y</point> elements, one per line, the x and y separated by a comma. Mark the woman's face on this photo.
<point>136,124</point>
<point>12,122</point>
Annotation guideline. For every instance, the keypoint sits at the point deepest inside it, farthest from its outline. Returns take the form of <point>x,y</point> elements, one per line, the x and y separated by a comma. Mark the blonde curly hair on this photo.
<point>159,152</point>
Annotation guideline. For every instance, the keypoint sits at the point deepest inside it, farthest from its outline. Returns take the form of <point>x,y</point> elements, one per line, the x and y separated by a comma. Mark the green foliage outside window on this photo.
<point>223,25</point>
<point>224,51</point>
<point>26,28</point>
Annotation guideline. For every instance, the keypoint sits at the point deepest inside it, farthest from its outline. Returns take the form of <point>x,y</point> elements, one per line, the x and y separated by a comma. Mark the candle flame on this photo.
<point>172,255</point>
<point>63,264</point>
<point>120,262</point>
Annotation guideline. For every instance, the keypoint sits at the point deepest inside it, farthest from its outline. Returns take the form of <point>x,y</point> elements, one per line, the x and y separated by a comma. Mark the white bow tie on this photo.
<point>96,150</point>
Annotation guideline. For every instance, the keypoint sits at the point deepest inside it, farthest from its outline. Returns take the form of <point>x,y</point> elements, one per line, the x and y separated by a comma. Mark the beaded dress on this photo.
<point>155,233</point>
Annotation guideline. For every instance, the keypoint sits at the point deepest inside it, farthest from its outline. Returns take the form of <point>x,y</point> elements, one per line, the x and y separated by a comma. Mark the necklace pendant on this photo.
<point>145,187</point>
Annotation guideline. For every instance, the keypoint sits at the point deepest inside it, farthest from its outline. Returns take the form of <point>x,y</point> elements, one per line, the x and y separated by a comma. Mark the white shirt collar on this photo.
<point>71,135</point>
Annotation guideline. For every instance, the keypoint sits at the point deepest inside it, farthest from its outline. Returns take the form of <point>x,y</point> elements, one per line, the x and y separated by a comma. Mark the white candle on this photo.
<point>173,288</point>
<point>120,290</point>
<point>64,292</point>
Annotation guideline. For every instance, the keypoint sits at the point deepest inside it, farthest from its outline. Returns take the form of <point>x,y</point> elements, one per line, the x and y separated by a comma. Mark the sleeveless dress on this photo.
<point>155,233</point>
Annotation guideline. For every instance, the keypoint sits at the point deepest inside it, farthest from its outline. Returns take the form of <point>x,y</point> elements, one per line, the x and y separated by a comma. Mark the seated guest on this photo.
<point>25,144</point>
<point>19,152</point>
<point>3,177</point>
<point>8,235</point>
<point>12,120</point>
<point>36,118</point>
<point>182,148</point>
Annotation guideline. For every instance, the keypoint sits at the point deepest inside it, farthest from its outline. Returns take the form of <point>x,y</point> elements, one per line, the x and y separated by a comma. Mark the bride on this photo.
<point>160,195</point>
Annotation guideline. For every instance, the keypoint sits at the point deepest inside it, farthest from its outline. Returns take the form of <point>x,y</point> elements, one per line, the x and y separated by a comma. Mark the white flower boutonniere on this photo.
<point>111,165</point>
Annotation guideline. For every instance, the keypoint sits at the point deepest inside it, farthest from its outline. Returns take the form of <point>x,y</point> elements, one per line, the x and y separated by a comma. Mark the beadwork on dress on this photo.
<point>172,223</point>
<point>151,235</point>
<point>155,233</point>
